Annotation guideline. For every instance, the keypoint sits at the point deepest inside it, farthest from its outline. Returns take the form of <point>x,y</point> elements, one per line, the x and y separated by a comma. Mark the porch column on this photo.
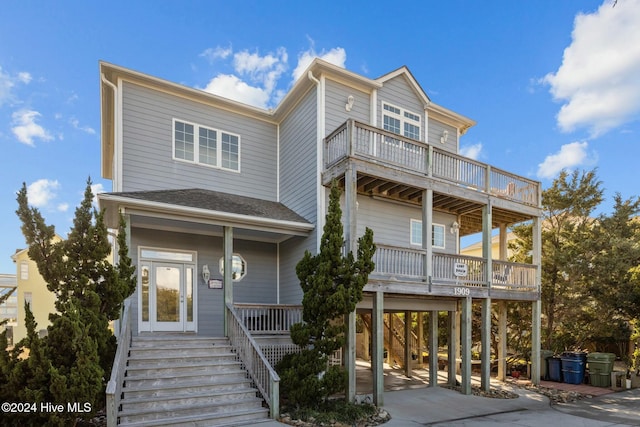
<point>350,203</point>
<point>466,345</point>
<point>504,244</point>
<point>420,334</point>
<point>454,339</point>
<point>536,305</point>
<point>433,348</point>
<point>485,356</point>
<point>407,344</point>
<point>485,332</point>
<point>502,343</point>
<point>427,234</point>
<point>228,273</point>
<point>377,347</point>
<point>486,243</point>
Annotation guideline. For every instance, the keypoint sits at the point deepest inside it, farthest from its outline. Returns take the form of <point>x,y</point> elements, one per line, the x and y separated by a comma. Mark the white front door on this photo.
<point>167,296</point>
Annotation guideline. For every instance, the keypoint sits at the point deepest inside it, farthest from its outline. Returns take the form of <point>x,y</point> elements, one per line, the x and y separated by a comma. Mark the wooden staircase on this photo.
<point>394,341</point>
<point>186,380</point>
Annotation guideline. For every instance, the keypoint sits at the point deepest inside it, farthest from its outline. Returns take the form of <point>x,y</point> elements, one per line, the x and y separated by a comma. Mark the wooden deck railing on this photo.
<point>269,319</point>
<point>114,386</point>
<point>258,367</point>
<point>354,138</point>
<point>407,264</point>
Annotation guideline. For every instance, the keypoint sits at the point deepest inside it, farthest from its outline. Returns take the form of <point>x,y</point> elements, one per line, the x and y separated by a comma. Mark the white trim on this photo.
<point>413,221</point>
<point>278,162</point>
<point>118,150</point>
<point>320,190</point>
<point>278,273</point>
<point>196,145</point>
<point>150,261</point>
<point>401,116</point>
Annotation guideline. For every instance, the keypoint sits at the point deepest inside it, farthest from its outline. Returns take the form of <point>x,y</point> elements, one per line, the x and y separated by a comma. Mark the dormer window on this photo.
<point>401,121</point>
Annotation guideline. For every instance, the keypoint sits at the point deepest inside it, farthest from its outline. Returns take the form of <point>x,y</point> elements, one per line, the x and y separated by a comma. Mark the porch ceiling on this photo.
<point>469,210</point>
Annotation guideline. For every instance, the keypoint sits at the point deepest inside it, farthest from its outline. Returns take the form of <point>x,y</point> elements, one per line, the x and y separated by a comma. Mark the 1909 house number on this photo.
<point>462,291</point>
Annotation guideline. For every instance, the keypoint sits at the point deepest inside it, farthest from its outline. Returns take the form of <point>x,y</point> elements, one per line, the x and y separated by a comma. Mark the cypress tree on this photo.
<point>332,284</point>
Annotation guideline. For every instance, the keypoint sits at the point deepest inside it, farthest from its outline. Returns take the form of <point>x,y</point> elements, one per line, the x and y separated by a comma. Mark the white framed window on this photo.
<point>437,232</point>
<point>238,267</point>
<point>401,121</point>
<point>24,270</point>
<point>203,145</point>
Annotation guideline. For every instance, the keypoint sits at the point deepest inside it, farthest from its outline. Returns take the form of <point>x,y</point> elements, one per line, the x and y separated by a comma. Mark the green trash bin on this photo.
<point>544,355</point>
<point>600,367</point>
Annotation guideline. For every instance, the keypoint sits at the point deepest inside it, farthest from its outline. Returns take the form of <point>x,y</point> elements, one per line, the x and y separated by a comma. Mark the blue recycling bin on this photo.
<point>573,367</point>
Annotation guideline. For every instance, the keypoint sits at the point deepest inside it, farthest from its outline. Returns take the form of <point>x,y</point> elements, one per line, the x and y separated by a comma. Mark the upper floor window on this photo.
<point>437,239</point>
<point>400,121</point>
<point>206,146</point>
<point>24,270</point>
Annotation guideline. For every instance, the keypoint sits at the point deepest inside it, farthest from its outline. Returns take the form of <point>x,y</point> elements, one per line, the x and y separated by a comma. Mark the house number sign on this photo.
<point>460,269</point>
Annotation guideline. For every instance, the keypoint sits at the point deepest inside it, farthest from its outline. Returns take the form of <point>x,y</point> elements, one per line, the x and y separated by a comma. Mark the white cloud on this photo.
<point>8,83</point>
<point>598,79</point>
<point>26,129</point>
<point>76,124</point>
<point>232,87</point>
<point>24,77</point>
<point>41,192</point>
<point>570,156</point>
<point>472,151</point>
<point>216,53</point>
<point>62,207</point>
<point>336,56</point>
<point>256,77</point>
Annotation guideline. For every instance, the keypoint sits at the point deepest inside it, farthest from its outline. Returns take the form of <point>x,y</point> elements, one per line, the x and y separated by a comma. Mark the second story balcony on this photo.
<point>404,155</point>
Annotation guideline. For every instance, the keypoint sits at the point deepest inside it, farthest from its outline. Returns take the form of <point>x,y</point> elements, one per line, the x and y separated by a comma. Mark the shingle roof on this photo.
<point>218,201</point>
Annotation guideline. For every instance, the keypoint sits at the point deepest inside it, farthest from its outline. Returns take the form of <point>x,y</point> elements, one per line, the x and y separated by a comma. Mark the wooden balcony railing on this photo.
<point>358,139</point>
<point>271,319</point>
<point>407,265</point>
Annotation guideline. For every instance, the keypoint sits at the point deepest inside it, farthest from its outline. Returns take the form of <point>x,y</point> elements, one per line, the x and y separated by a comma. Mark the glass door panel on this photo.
<point>169,297</point>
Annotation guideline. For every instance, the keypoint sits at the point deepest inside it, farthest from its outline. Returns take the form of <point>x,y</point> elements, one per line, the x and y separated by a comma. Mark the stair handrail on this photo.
<point>262,373</point>
<point>114,386</point>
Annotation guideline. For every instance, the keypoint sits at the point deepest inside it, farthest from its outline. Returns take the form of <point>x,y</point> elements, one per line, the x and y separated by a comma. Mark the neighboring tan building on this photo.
<point>33,290</point>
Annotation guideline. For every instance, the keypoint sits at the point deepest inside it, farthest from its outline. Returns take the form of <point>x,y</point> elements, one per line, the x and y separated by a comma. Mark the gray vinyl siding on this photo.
<point>399,92</point>
<point>298,187</point>
<point>391,223</point>
<point>336,95</point>
<point>436,128</point>
<point>258,286</point>
<point>148,139</point>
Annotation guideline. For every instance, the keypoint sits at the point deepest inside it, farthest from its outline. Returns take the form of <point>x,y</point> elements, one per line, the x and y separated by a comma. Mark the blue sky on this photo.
<point>551,84</point>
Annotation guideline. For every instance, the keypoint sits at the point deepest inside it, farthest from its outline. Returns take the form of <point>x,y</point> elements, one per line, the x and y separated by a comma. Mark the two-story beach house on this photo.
<point>222,199</point>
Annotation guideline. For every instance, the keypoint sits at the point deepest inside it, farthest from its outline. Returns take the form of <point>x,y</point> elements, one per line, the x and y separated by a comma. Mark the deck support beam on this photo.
<point>465,328</point>
<point>454,342</point>
<point>377,347</point>
<point>485,356</point>
<point>502,340</point>
<point>536,311</point>
<point>350,197</point>
<point>433,349</point>
<point>408,360</point>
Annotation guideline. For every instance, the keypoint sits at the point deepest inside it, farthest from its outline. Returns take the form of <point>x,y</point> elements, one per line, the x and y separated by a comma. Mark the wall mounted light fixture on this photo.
<point>454,227</point>
<point>444,137</point>
<point>206,275</point>
<point>350,102</point>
